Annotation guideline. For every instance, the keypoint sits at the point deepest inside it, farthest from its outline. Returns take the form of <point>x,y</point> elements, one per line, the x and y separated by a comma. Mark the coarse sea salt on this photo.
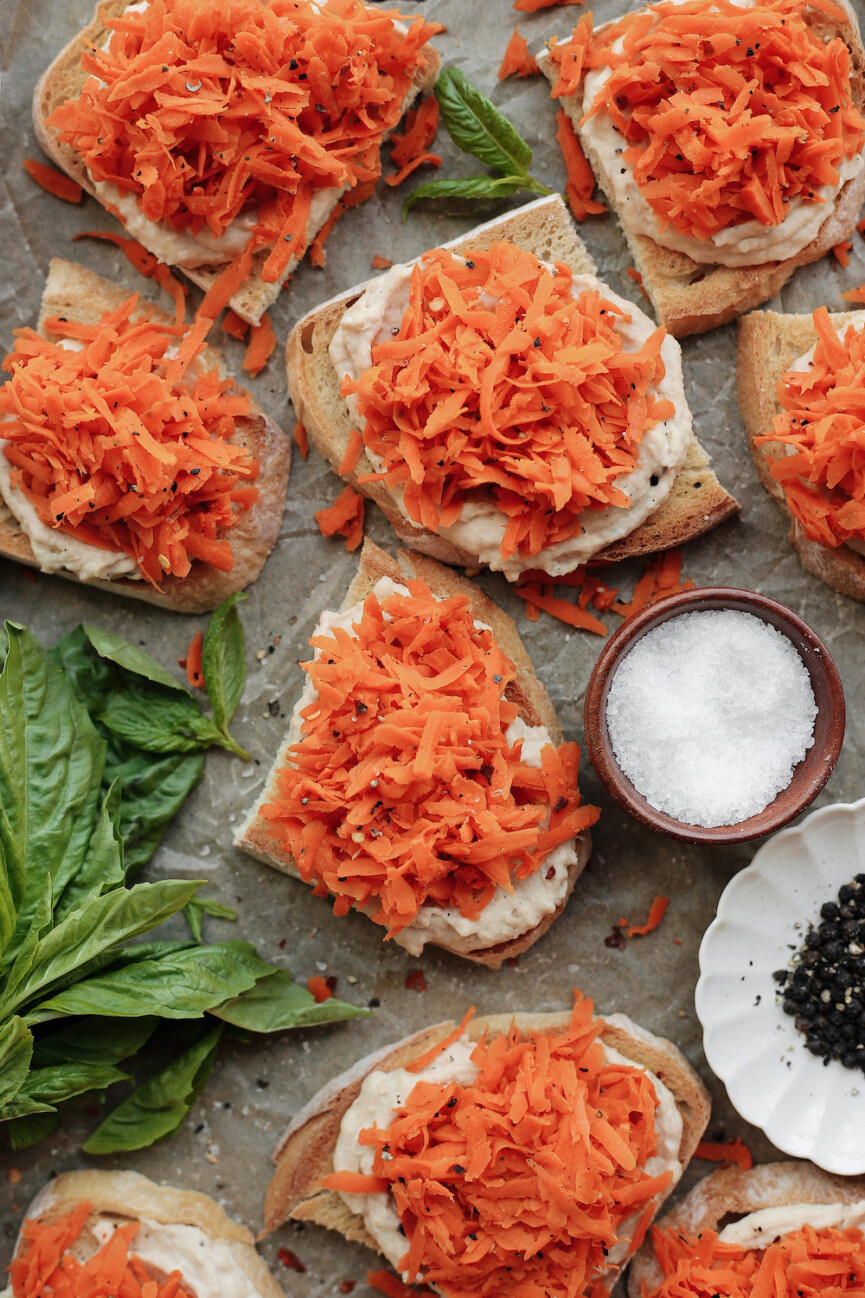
<point>709,714</point>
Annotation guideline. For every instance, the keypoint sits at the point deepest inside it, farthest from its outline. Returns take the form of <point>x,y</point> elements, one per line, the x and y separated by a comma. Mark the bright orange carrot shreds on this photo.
<point>841,252</point>
<point>55,182</point>
<point>571,58</point>
<point>193,662</point>
<point>147,265</point>
<point>262,341</point>
<point>520,1182</point>
<point>662,576</point>
<point>855,294</point>
<point>154,475</point>
<point>423,160</point>
<point>822,423</point>
<point>392,1287</point>
<point>491,389</point>
<point>581,179</point>
<point>517,61</point>
<point>344,518</point>
<point>386,804</point>
<point>421,127</point>
<point>243,108</point>
<point>233,325</point>
<point>805,1262</point>
<point>45,1266</point>
<point>729,113</point>
<point>729,1151</point>
<point>317,987</point>
<point>657,911</point>
<point>301,440</point>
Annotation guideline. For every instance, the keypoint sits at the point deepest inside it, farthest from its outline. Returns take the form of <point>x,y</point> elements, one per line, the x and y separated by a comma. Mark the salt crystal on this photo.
<point>709,714</point>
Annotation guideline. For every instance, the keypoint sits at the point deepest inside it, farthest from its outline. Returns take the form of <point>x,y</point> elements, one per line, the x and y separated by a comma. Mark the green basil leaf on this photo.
<point>157,1108</point>
<point>131,659</point>
<point>94,1041</point>
<point>154,790</point>
<point>30,1130</point>
<point>223,660</point>
<point>16,1051</point>
<point>102,869</point>
<point>276,1003</point>
<point>195,910</point>
<point>151,720</point>
<point>477,127</point>
<point>61,1082</point>
<point>40,922</point>
<point>472,189</point>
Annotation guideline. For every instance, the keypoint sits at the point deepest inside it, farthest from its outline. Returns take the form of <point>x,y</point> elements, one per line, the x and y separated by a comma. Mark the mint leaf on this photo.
<point>477,127</point>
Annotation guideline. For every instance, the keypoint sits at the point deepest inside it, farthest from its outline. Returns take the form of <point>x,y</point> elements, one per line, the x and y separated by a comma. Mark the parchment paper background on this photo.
<point>225,1148</point>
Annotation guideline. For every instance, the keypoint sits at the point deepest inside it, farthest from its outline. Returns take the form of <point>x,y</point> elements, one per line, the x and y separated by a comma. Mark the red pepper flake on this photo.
<point>193,662</point>
<point>381,263</point>
<point>290,1259</point>
<point>726,1152</point>
<point>517,61</point>
<point>30,575</point>
<point>13,1176</point>
<point>317,987</point>
<point>415,981</point>
<point>677,941</point>
<point>344,517</point>
<point>842,252</point>
<point>346,1286</point>
<point>512,961</point>
<point>657,911</point>
<point>615,940</point>
<point>53,181</point>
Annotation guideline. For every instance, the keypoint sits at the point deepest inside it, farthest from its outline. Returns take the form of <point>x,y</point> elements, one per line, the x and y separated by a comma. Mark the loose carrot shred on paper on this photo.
<point>343,518</point>
<point>262,341</point>
<point>662,576</point>
<point>855,294</point>
<point>729,1151</point>
<point>517,61</point>
<point>147,265</point>
<point>392,1287</point>
<point>841,252</point>
<point>317,987</point>
<point>425,160</point>
<point>45,1265</point>
<point>638,280</point>
<point>233,325</point>
<point>193,662</point>
<point>421,127</point>
<point>381,263</point>
<point>518,1181</point>
<point>383,802</point>
<point>55,182</point>
<point>533,6</point>
<point>657,911</point>
<point>317,256</point>
<point>581,179</point>
<point>301,440</point>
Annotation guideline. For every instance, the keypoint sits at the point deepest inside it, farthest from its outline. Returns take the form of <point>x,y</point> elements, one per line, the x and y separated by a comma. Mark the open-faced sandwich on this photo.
<point>230,133</point>
<point>129,459</point>
<point>802,397</point>
<point>729,139</point>
<point>503,407</point>
<point>117,1233</point>
<point>783,1230</point>
<point>423,779</point>
<point>509,1155</point>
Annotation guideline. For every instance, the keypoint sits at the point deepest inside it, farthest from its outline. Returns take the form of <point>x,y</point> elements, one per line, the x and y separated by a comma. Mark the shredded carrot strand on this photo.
<point>855,294</point>
<point>421,127</point>
<point>429,1056</point>
<point>233,325</point>
<point>343,518</point>
<point>392,1287</point>
<point>727,1152</point>
<point>147,265</point>
<point>424,160</point>
<point>662,576</point>
<point>841,252</point>
<point>581,180</point>
<point>657,911</point>
<point>638,280</point>
<point>262,341</point>
<point>53,181</point>
<point>381,263</point>
<point>301,440</point>
<point>193,662</point>
<point>517,61</point>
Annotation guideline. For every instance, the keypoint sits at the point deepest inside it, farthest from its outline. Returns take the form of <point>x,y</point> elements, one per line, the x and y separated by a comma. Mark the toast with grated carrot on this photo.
<point>696,503</point>
<point>726,1196</point>
<point>75,294</point>
<point>769,343</point>
<point>278,827</point>
<point>177,112</point>
<point>59,1225</point>
<point>688,296</point>
<point>305,1155</point>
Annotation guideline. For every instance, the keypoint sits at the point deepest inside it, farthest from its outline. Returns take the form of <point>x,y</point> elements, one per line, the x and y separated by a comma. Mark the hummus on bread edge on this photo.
<point>758,1229</point>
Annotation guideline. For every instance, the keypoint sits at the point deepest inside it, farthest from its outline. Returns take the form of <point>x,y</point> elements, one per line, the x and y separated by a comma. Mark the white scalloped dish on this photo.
<point>806,1108</point>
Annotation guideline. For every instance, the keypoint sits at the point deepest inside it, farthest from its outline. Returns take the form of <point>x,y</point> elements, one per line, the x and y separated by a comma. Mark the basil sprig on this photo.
<point>477,127</point>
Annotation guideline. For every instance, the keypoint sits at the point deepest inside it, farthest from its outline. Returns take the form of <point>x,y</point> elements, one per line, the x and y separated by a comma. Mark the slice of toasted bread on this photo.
<point>64,79</point>
<point>696,503</point>
<point>769,343</point>
<point>691,297</point>
<point>80,294</point>
<point>131,1195</point>
<point>305,1153</point>
<point>535,705</point>
<point>730,1194</point>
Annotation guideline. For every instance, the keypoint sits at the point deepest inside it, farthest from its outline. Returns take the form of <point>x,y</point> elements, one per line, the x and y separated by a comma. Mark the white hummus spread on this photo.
<point>508,915</point>
<point>376,316</point>
<point>383,1094</point>
<point>762,1228</point>
<point>210,1267</point>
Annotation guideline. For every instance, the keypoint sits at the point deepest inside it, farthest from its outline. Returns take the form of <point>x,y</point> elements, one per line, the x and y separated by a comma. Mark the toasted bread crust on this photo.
<point>74,291</point>
<point>64,80</point>
<point>696,503</point>
<point>769,343</point>
<point>305,1153</point>
<point>690,297</point>
<point>532,699</point>
<point>732,1192</point>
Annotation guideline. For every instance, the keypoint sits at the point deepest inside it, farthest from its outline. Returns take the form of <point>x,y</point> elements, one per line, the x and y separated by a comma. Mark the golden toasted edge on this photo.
<point>735,1193</point>
<point>128,1194</point>
<point>305,1153</point>
<point>769,343</point>
<point>80,294</point>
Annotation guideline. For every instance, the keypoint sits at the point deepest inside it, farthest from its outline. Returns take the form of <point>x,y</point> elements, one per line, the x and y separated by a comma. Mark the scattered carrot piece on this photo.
<point>842,252</point>
<point>193,662</point>
<point>421,127</point>
<point>317,256</point>
<point>344,518</point>
<point>415,981</point>
<point>657,911</point>
<point>562,609</point>
<point>424,160</point>
<point>301,440</point>
<point>262,341</point>
<point>289,1258</point>
<point>517,61</point>
<point>532,6</point>
<point>147,265</point>
<point>317,987</point>
<point>638,280</point>
<point>381,263</point>
<point>392,1287</point>
<point>53,181</point>
<point>662,576</point>
<point>855,294</point>
<point>233,325</point>
<point>581,178</point>
<point>730,1151</point>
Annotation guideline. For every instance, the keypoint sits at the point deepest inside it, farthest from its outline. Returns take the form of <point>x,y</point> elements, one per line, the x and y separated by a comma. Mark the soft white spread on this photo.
<point>480,528</point>
<point>760,1229</point>
<point>384,1093</point>
<point>746,244</point>
<point>508,914</point>
<point>209,1267</point>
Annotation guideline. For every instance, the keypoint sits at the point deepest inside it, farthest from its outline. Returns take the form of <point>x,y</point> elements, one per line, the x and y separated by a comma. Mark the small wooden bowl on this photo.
<point>809,776</point>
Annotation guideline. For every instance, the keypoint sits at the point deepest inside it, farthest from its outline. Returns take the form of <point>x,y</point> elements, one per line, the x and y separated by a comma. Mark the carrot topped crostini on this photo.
<point>232,132</point>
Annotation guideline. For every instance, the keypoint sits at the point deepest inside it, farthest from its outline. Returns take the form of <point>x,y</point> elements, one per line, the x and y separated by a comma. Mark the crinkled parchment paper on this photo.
<point>225,1148</point>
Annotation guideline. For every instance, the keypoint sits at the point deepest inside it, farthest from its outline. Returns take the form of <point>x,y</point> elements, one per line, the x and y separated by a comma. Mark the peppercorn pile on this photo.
<point>825,990</point>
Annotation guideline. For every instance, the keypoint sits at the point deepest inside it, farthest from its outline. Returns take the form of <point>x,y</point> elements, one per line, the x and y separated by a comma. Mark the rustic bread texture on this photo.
<point>305,1153</point>
<point>769,343</point>
<point>690,297</point>
<point>534,703</point>
<point>696,503</point>
<point>732,1193</point>
<point>64,80</point>
<point>128,1194</point>
<point>80,294</point>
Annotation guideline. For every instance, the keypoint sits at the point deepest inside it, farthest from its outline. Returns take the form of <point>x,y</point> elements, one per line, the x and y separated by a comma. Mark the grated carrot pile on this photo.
<point>259,349</point>
<point>728,113</point>
<point>243,107</point>
<point>343,518</point>
<point>125,444</point>
<point>581,179</point>
<point>500,386</point>
<point>661,577</point>
<point>403,788</point>
<point>726,1152</point>
<point>801,1264</point>
<point>522,1182</point>
<point>53,181</point>
<point>517,61</point>
<point>822,422</point>
<point>46,1267</point>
